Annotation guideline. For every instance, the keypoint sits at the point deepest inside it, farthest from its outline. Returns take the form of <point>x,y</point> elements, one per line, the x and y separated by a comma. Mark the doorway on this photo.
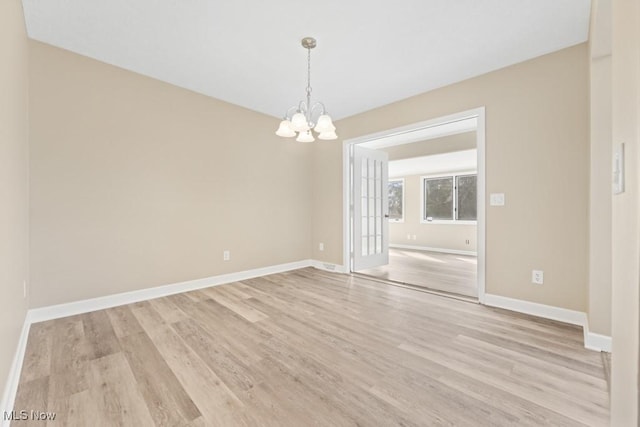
<point>456,270</point>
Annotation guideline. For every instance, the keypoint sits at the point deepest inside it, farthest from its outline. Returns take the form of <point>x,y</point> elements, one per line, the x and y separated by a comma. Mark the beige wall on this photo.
<point>599,309</point>
<point>537,151</point>
<point>626,214</point>
<point>136,183</point>
<point>14,178</point>
<point>445,144</point>
<point>439,236</point>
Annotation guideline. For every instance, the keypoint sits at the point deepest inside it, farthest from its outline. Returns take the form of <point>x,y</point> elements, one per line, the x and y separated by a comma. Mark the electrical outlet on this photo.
<point>226,255</point>
<point>321,246</point>
<point>408,236</point>
<point>537,277</point>
<point>467,241</point>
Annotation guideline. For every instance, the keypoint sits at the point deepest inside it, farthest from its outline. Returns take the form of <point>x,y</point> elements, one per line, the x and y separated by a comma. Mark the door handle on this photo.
<point>386,215</point>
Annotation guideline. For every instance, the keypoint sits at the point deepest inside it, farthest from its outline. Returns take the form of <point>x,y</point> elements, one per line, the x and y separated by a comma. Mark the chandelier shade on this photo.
<point>307,116</point>
<point>285,130</point>
<point>324,124</point>
<point>305,136</point>
<point>327,136</point>
<point>299,122</point>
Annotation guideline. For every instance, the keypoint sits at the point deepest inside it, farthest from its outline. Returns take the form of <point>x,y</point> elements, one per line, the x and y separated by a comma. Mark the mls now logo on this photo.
<point>29,415</point>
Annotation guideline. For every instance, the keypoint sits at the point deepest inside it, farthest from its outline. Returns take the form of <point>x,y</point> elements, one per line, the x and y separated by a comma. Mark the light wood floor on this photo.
<point>432,270</point>
<point>311,348</point>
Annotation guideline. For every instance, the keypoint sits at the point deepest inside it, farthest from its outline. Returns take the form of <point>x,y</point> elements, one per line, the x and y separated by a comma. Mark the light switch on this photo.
<point>497,199</point>
<point>618,169</point>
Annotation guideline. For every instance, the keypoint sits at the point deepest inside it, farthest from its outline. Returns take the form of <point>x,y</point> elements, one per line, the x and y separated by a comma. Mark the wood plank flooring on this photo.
<point>452,273</point>
<point>310,348</point>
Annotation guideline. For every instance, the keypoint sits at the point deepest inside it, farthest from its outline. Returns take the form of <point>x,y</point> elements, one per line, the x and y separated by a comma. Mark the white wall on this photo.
<point>599,310</point>
<point>14,179</point>
<point>626,215</point>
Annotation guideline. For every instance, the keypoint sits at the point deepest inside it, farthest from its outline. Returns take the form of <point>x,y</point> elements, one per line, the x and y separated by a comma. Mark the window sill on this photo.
<point>448,222</point>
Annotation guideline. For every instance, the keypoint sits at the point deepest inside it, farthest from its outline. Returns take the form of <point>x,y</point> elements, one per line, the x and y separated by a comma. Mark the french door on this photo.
<point>370,208</point>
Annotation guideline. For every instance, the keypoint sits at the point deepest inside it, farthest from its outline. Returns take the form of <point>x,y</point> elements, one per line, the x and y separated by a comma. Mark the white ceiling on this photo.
<point>457,161</point>
<point>369,53</point>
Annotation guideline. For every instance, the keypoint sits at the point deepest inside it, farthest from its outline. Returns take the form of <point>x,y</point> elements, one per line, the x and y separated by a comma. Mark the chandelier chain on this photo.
<point>308,112</point>
<point>309,70</point>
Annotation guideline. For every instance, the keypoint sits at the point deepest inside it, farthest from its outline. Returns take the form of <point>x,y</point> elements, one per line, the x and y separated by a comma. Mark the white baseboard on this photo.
<point>592,341</point>
<point>13,379</point>
<point>541,310</point>
<point>425,248</point>
<point>78,307</point>
<point>597,342</point>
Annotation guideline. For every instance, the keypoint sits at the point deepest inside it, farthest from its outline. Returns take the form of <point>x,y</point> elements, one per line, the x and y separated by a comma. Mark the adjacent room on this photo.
<point>410,213</point>
<point>432,207</point>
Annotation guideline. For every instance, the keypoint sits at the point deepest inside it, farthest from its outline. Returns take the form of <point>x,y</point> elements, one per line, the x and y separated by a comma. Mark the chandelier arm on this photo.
<point>287,115</point>
<point>321,105</point>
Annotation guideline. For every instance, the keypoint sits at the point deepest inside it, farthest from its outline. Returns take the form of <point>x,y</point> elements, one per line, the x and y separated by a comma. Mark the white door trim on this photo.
<point>406,134</point>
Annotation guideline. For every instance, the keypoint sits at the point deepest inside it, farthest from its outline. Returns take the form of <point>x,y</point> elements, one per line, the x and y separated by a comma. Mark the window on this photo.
<point>466,198</point>
<point>438,196</point>
<point>396,200</point>
<point>450,198</point>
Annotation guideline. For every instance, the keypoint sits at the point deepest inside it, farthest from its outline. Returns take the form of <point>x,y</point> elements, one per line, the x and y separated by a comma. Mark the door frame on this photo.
<point>405,135</point>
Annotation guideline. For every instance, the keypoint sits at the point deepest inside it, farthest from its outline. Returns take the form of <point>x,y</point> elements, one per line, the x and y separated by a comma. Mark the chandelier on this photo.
<point>302,121</point>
